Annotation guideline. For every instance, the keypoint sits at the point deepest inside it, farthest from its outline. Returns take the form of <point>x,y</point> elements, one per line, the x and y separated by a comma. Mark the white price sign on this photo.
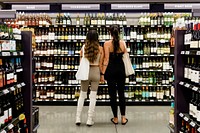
<point>181,83</point>
<point>12,88</point>
<point>181,115</point>
<point>195,88</point>
<point>198,129</point>
<point>187,52</point>
<point>198,52</point>
<point>6,91</point>
<point>10,126</point>
<point>186,119</point>
<point>23,84</point>
<point>182,52</point>
<point>192,124</point>
<point>19,86</point>
<point>5,53</point>
<point>187,85</point>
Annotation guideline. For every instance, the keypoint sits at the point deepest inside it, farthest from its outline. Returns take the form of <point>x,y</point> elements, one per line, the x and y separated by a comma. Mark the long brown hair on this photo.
<point>114,31</point>
<point>92,45</point>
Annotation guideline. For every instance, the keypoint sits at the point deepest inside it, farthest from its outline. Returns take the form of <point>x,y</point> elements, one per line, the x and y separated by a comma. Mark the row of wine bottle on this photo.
<point>11,106</point>
<point>71,63</point>
<point>187,128</point>
<point>167,18</point>
<point>71,33</point>
<point>70,93</point>
<point>192,70</point>
<point>8,69</point>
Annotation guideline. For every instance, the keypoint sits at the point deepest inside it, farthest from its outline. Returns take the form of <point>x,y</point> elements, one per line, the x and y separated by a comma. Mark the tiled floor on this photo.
<point>142,119</point>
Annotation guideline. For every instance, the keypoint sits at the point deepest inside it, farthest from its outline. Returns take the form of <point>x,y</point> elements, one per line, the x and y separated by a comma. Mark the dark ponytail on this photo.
<point>115,34</point>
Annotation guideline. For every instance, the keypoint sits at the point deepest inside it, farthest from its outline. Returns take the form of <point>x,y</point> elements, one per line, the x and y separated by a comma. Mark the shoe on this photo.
<point>112,119</point>
<point>125,122</point>
<point>80,104</point>
<point>91,110</point>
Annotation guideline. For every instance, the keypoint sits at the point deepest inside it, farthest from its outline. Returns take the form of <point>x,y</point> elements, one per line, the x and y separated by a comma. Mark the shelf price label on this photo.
<point>14,53</point>
<point>198,53</point>
<point>187,52</point>
<point>12,88</point>
<point>187,85</point>
<point>5,53</point>
<point>10,126</point>
<point>195,88</point>
<point>198,129</point>
<point>19,86</point>
<point>6,91</point>
<point>182,52</point>
<point>21,53</point>
<point>181,83</point>
<point>181,114</point>
<point>192,124</point>
<point>186,119</point>
<point>23,84</point>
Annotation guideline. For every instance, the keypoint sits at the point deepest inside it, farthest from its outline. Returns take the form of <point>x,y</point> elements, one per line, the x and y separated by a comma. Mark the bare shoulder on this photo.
<point>108,43</point>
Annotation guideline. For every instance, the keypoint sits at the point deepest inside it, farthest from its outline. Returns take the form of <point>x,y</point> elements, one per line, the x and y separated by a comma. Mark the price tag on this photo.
<point>150,85</point>
<point>131,40</point>
<point>145,40</point>
<point>151,100</point>
<point>10,126</point>
<point>61,40</point>
<point>39,99</point>
<point>152,41</point>
<point>192,124</point>
<point>23,84</point>
<point>65,100</point>
<point>40,25</point>
<point>187,52</point>
<point>159,100</point>
<point>62,85</point>
<point>143,100</point>
<point>12,88</point>
<point>6,91</point>
<point>198,52</point>
<point>55,25</point>
<point>19,86</point>
<point>14,53</point>
<point>195,88</point>
<point>47,100</point>
<point>187,85</point>
<point>162,41</point>
<point>48,85</point>
<point>5,53</point>
<point>186,119</point>
<point>3,131</point>
<point>181,114</point>
<point>21,53</point>
<point>181,83</point>
<point>198,129</point>
<point>136,100</point>
<point>165,100</point>
<point>54,100</point>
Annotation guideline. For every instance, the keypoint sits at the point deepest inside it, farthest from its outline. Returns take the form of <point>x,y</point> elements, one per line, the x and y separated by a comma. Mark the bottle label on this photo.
<point>37,94</point>
<point>198,115</point>
<point>190,109</point>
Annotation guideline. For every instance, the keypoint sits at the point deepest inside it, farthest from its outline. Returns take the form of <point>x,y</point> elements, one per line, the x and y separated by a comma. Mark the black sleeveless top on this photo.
<point>115,68</point>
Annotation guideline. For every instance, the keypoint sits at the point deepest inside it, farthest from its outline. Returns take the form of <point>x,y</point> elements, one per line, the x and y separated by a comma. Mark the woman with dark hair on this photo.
<point>114,72</point>
<point>94,53</point>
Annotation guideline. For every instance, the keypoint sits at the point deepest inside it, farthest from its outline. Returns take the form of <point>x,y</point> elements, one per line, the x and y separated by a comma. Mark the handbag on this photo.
<point>83,70</point>
<point>127,64</point>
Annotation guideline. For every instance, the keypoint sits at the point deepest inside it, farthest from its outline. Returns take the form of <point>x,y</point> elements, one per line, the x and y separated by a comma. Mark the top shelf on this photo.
<point>99,26</point>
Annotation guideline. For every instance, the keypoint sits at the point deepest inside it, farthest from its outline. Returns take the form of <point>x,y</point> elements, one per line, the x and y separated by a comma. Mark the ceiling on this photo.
<point>96,1</point>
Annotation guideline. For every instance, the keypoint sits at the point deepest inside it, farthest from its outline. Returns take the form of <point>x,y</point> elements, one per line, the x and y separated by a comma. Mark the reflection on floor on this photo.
<point>142,119</point>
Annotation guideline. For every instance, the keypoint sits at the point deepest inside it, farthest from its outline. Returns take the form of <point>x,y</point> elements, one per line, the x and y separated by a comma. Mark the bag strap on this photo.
<point>83,50</point>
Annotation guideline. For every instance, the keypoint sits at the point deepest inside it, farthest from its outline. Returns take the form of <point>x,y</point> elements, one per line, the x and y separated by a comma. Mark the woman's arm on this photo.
<point>81,53</point>
<point>106,57</point>
<point>101,59</point>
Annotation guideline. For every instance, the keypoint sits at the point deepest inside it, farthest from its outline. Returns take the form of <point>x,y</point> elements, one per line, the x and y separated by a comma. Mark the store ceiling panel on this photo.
<point>94,1</point>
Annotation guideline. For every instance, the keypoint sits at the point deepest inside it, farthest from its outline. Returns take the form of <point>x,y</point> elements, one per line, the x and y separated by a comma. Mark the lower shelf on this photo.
<point>36,128</point>
<point>101,102</point>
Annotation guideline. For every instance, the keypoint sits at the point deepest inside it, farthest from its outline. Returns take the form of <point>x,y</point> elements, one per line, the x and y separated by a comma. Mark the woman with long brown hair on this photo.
<point>94,53</point>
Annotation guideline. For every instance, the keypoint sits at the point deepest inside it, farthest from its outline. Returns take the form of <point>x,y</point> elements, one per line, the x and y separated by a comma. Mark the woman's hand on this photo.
<point>102,80</point>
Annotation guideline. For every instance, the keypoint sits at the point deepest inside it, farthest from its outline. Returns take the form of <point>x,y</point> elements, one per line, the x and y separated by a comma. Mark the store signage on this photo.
<point>80,7</point>
<point>31,7</point>
<point>182,6</point>
<point>129,6</point>
<point>7,14</point>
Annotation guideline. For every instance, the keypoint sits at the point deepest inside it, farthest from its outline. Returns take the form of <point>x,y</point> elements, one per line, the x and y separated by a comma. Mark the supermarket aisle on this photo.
<point>60,119</point>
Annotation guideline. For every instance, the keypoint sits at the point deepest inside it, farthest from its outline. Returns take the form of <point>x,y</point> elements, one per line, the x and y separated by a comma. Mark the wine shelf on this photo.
<point>153,70</point>
<point>64,55</point>
<point>66,85</point>
<point>99,26</point>
<point>66,70</point>
<point>81,40</point>
<point>10,89</point>
<point>190,86</point>
<point>160,55</point>
<point>191,52</point>
<point>11,125</point>
<point>6,54</point>
<point>187,118</point>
